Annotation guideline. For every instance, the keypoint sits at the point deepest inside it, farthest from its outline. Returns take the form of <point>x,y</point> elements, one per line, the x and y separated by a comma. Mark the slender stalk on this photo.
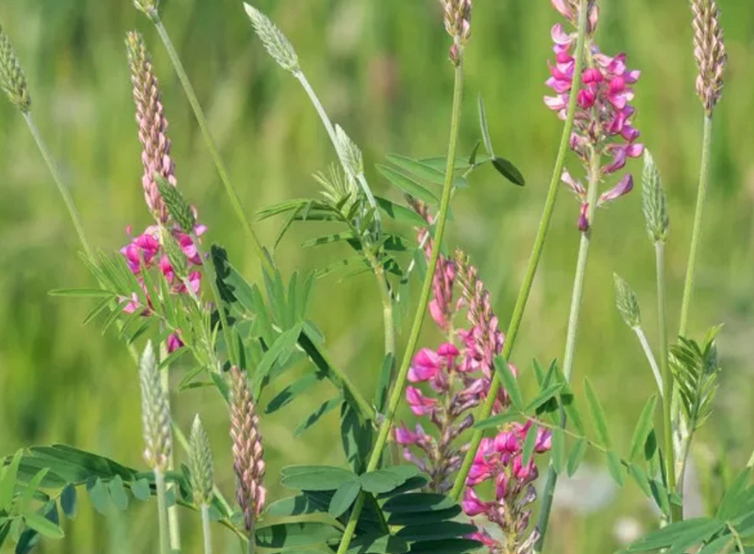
<point>571,337</point>
<point>173,522</point>
<point>64,192</point>
<point>751,461</point>
<point>421,309</point>
<point>650,358</point>
<point>210,141</point>
<point>696,236</point>
<point>531,270</point>
<point>162,512</point>
<point>387,304</point>
<point>667,377</point>
<point>206,531</point>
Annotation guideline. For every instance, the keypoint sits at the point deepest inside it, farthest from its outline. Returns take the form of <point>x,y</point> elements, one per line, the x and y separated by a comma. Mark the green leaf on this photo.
<point>718,545</point>
<point>380,481</point>
<point>31,488</point>
<point>418,518</point>
<point>118,493</point>
<point>433,532</point>
<point>68,501</point>
<point>485,128</point>
<point>386,377</point>
<point>400,213</point>
<point>140,489</point>
<point>278,352</point>
<point>356,434</point>
<point>378,544</point>
<point>417,502</point>
<point>615,467</point>
<point>343,498</point>
<point>85,293</point>
<point>558,450</point>
<point>98,495</point>
<point>446,546</point>
<point>8,482</point>
<point>43,526</point>
<point>496,421</point>
<point>641,479</point>
<point>529,442</point>
<point>643,427</point>
<point>736,495</point>
<point>289,393</point>
<point>509,382</point>
<point>598,415</point>
<point>676,533</point>
<point>293,535</point>
<point>101,305</point>
<point>408,185</point>
<point>302,504</point>
<point>425,171</point>
<point>509,171</point>
<point>316,415</point>
<point>576,456</point>
<point>316,478</point>
<point>543,397</point>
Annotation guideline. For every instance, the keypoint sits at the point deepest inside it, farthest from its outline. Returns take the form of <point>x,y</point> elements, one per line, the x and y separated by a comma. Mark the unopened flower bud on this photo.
<point>626,302</point>
<point>200,464</point>
<point>155,413</point>
<point>12,78</point>
<point>653,201</point>
<point>149,7</point>
<point>273,39</point>
<point>176,204</point>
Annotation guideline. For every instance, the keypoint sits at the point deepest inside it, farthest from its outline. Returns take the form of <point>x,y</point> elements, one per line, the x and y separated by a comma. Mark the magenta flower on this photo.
<point>174,342</point>
<point>420,404</point>
<point>603,121</point>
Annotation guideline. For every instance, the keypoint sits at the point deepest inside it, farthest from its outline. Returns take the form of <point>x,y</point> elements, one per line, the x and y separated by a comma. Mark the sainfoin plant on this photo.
<point>461,445</point>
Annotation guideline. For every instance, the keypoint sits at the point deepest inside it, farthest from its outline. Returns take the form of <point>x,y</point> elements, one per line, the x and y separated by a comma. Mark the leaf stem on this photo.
<point>162,512</point>
<point>667,379</point>
<point>650,357</point>
<point>206,531</point>
<point>421,309</point>
<point>531,270</point>
<point>571,336</point>
<point>210,141</point>
<point>697,232</point>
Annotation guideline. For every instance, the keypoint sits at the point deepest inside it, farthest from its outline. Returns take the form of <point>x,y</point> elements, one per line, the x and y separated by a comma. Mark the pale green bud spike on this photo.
<point>653,201</point>
<point>625,300</point>
<point>155,413</point>
<point>175,254</point>
<point>273,39</point>
<point>178,208</point>
<point>200,464</point>
<point>12,78</point>
<point>149,7</point>
<point>350,154</point>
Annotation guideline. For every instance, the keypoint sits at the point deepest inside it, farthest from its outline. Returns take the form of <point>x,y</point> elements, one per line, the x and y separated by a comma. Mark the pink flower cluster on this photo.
<point>500,461</point>
<point>145,252</point>
<point>603,121</point>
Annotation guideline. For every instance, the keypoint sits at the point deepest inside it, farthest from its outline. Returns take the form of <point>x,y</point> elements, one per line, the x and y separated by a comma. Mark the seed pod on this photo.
<point>654,205</point>
<point>273,39</point>
<point>155,413</point>
<point>200,464</point>
<point>12,78</point>
<point>626,302</point>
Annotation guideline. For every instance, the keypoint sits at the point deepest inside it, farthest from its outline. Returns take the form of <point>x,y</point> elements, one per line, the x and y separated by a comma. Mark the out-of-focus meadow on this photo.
<point>382,71</point>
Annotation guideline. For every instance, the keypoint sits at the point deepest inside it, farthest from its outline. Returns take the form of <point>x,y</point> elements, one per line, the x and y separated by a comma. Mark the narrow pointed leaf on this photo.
<point>598,415</point>
<point>643,427</point>
<point>509,382</point>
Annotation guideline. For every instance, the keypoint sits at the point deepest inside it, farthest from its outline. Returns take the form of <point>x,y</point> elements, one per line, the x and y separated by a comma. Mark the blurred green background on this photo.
<point>382,72</point>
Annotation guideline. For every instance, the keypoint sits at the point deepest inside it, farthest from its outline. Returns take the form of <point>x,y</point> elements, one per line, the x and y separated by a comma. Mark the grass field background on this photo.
<point>382,72</point>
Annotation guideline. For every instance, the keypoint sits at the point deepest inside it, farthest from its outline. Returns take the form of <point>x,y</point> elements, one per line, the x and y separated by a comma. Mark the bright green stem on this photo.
<point>667,376</point>
<point>421,309</point>
<point>214,152</point>
<point>531,270</point>
<point>696,236</point>
<point>387,304</point>
<point>206,531</point>
<point>650,358</point>
<point>162,512</point>
<point>64,192</point>
<point>173,523</point>
<point>571,337</point>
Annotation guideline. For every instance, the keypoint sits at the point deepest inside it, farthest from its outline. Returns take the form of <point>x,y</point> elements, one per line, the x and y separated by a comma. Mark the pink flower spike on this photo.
<point>586,98</point>
<point>562,7</point>
<point>420,404</point>
<point>559,36</point>
<point>623,187</point>
<point>425,366</point>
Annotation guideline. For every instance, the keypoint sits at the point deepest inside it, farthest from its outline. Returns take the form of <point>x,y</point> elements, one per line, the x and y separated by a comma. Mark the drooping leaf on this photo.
<point>99,496</point>
<point>509,171</point>
<point>8,481</point>
<point>675,533</point>
<point>68,501</point>
<point>118,493</point>
<point>356,434</point>
<point>643,427</point>
<point>496,421</point>
<point>43,526</point>
<point>544,397</point>
<point>529,442</point>
<point>615,467</point>
<point>576,456</point>
<point>289,393</point>
<point>140,489</point>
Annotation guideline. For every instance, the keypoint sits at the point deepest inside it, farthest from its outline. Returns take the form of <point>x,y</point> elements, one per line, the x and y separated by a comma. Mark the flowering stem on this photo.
<point>387,304</point>
<point>173,523</point>
<point>162,512</point>
<point>210,141</point>
<point>650,358</point>
<point>531,270</point>
<point>571,336</point>
<point>697,232</point>
<point>421,309</point>
<point>206,531</point>
<point>667,377</point>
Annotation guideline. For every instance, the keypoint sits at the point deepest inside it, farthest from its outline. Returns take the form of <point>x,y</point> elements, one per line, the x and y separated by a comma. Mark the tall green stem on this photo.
<point>571,336</point>
<point>667,377</point>
<point>650,358</point>
<point>421,309</point>
<point>210,141</point>
<point>206,531</point>
<point>531,270</point>
<point>173,523</point>
<point>696,236</point>
<point>162,512</point>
